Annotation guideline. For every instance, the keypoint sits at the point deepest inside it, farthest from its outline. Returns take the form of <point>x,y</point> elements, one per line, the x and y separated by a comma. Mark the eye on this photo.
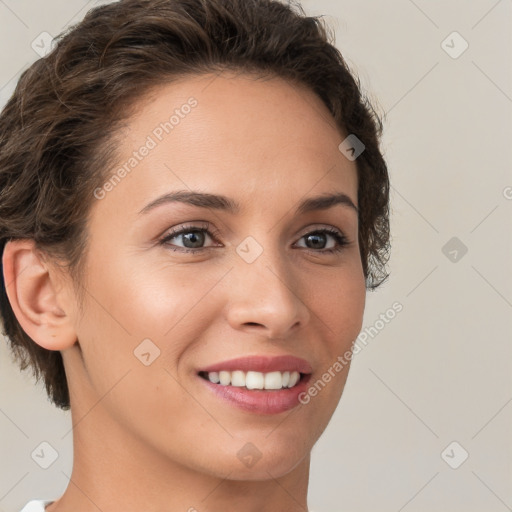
<point>193,237</point>
<point>320,237</point>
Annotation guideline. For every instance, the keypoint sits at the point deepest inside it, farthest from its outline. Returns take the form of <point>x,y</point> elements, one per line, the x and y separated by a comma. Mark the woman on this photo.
<point>193,205</point>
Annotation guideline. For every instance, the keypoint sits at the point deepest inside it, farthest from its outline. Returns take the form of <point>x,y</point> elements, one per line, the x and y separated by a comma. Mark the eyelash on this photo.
<point>213,233</point>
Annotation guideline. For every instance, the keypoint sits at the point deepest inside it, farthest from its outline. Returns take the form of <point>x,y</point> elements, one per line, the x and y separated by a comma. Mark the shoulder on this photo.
<point>36,506</point>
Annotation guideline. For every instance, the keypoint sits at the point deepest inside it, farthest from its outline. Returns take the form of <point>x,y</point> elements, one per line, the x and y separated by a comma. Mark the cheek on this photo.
<point>150,296</point>
<point>169,304</point>
<point>339,308</point>
<point>339,301</point>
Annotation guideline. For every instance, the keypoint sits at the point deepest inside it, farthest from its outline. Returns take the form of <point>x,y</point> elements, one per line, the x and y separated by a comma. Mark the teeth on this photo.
<point>237,378</point>
<point>255,380</point>
<point>214,377</point>
<point>273,380</point>
<point>225,378</point>
<point>294,378</point>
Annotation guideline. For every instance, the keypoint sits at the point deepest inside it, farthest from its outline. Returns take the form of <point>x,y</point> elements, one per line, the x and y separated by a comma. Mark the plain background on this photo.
<point>440,371</point>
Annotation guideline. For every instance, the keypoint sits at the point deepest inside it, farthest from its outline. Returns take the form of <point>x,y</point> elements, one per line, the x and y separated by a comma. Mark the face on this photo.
<point>176,290</point>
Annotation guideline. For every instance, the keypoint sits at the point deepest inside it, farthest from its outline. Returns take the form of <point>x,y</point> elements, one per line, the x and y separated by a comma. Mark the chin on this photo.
<point>258,460</point>
<point>264,470</point>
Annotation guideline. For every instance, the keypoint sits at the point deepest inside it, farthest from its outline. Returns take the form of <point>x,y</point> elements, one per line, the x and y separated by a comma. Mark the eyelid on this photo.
<point>205,226</point>
<point>319,227</point>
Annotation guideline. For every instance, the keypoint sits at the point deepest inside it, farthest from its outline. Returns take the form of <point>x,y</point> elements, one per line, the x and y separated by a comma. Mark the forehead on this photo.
<point>233,134</point>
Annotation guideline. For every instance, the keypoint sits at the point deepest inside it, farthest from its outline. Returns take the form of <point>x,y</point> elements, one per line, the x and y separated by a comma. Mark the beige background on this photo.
<point>440,370</point>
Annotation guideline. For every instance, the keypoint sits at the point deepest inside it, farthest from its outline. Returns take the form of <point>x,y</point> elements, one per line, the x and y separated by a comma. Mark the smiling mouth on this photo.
<point>271,381</point>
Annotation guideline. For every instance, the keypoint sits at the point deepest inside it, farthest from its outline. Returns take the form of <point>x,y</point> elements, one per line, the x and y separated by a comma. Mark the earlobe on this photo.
<point>33,290</point>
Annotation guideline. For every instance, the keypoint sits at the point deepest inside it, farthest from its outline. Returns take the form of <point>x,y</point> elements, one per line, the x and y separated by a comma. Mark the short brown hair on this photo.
<point>57,131</point>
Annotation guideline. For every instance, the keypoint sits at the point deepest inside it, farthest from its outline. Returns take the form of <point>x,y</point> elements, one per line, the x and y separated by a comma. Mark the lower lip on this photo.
<point>260,401</point>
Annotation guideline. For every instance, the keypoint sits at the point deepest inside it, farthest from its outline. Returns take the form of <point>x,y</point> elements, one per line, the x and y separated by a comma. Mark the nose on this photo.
<point>266,297</point>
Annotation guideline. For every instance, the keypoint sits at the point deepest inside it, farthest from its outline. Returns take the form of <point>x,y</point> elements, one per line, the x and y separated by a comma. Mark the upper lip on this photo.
<point>262,363</point>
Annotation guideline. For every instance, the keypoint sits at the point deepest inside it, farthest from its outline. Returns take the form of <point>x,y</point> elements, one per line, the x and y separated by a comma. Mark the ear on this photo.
<point>37,297</point>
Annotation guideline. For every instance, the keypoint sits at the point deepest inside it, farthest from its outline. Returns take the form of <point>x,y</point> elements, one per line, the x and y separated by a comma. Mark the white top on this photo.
<point>36,506</point>
<point>39,506</point>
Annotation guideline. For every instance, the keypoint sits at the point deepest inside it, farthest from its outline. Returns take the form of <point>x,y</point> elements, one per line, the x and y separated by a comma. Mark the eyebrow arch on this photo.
<point>220,202</point>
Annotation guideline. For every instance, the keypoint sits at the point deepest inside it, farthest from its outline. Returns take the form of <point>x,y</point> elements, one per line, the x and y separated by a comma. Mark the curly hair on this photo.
<point>58,129</point>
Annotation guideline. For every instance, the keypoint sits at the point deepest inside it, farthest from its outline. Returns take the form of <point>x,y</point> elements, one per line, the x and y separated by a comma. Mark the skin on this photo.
<point>155,437</point>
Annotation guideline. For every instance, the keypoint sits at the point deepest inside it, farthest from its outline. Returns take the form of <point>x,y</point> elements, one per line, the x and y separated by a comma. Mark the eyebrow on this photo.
<point>223,203</point>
